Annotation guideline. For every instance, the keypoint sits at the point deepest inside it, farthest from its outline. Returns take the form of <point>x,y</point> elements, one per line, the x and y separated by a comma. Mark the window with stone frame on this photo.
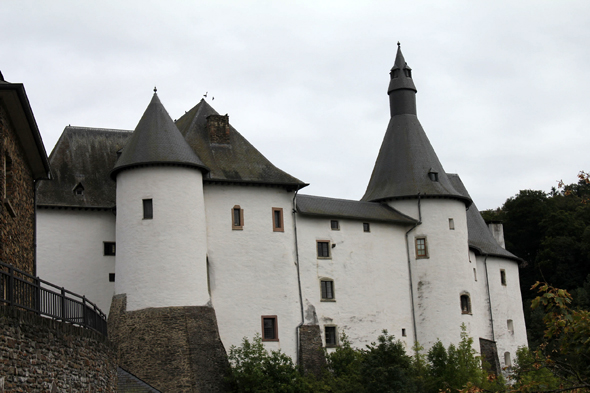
<point>327,290</point>
<point>237,217</point>
<point>270,328</point>
<point>331,335</point>
<point>323,248</point>
<point>465,304</point>
<point>277,219</point>
<point>421,247</point>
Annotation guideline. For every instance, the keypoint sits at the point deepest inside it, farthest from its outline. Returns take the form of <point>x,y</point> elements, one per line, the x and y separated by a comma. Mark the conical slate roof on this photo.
<point>399,80</point>
<point>479,235</point>
<point>234,160</point>
<point>407,164</point>
<point>156,140</point>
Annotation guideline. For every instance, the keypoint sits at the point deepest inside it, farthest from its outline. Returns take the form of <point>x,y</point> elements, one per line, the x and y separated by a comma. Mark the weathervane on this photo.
<point>155,89</point>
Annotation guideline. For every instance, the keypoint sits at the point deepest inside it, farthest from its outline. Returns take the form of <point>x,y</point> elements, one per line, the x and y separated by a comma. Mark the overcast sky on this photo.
<point>503,86</point>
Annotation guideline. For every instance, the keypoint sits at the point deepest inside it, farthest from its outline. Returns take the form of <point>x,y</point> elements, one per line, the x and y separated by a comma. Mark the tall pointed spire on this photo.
<point>407,164</point>
<point>402,91</point>
<point>156,140</point>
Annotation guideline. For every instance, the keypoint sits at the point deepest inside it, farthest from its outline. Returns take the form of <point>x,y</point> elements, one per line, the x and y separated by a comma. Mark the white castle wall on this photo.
<point>70,252</point>
<point>252,271</point>
<point>371,279</point>
<point>161,262</point>
<point>440,279</point>
<point>506,304</point>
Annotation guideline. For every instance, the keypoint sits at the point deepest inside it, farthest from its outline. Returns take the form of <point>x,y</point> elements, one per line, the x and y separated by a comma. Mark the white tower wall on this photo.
<point>445,274</point>
<point>161,262</point>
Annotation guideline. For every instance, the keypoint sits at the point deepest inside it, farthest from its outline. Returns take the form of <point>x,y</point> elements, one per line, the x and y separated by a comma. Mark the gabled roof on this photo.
<point>156,140</point>
<point>14,98</point>
<point>479,235</point>
<point>237,161</point>
<point>310,205</point>
<point>83,155</point>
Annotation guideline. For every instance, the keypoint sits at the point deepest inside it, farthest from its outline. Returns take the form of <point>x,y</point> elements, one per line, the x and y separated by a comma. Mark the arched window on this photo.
<point>465,304</point>
<point>507,360</point>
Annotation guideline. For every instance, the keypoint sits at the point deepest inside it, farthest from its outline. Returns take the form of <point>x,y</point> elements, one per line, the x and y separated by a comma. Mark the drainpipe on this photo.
<point>35,183</point>
<point>485,262</point>
<point>297,329</point>
<point>410,269</point>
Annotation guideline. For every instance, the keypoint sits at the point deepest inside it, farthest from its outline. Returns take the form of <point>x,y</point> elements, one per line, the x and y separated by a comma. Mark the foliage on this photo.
<point>562,361</point>
<point>551,232</point>
<point>254,369</point>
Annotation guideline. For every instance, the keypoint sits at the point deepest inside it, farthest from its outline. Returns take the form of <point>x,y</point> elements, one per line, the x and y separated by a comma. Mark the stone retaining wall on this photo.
<point>39,353</point>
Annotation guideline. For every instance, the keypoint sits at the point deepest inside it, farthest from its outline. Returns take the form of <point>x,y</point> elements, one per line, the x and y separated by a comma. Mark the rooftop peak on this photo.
<point>401,73</point>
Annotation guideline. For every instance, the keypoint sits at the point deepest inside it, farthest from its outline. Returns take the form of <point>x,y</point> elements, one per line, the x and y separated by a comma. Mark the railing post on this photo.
<point>84,317</point>
<point>10,286</point>
<point>38,295</point>
<point>63,304</point>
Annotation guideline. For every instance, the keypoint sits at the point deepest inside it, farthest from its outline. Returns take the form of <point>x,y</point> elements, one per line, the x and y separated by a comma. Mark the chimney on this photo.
<point>497,230</point>
<point>218,129</point>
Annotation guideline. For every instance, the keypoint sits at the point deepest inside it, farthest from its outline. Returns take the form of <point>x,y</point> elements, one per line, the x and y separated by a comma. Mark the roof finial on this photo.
<point>398,44</point>
<point>155,89</point>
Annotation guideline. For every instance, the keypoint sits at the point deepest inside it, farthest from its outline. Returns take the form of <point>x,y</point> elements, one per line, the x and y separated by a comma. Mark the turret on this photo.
<point>161,229</point>
<point>401,91</point>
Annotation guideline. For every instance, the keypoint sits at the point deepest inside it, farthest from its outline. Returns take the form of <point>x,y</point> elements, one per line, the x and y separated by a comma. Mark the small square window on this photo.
<point>323,249</point>
<point>366,227</point>
<point>327,290</point>
<point>421,248</point>
<point>451,224</point>
<point>331,336</point>
<point>277,219</point>
<point>148,209</point>
<point>237,217</point>
<point>503,276</point>
<point>335,225</point>
<point>112,277</point>
<point>270,328</point>
<point>109,248</point>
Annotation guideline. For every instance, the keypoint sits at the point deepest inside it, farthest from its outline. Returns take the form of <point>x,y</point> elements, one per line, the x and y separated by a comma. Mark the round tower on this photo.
<point>161,235</point>
<point>409,177</point>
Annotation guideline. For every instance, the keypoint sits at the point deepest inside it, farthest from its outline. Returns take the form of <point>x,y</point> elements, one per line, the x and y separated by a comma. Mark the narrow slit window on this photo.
<point>503,276</point>
<point>366,227</point>
<point>237,217</point>
<point>277,219</point>
<point>109,248</point>
<point>421,248</point>
<point>404,333</point>
<point>111,277</point>
<point>270,328</point>
<point>451,224</point>
<point>327,289</point>
<point>510,326</point>
<point>323,249</point>
<point>507,360</point>
<point>148,209</point>
<point>335,225</point>
<point>475,274</point>
<point>331,337</point>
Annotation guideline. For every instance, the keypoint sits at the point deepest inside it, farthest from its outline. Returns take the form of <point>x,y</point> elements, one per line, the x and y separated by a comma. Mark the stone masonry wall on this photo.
<point>17,210</point>
<point>39,353</point>
<point>311,352</point>
<point>174,349</point>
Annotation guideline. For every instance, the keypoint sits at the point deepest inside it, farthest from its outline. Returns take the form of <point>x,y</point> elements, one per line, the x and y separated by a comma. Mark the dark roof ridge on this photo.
<point>98,129</point>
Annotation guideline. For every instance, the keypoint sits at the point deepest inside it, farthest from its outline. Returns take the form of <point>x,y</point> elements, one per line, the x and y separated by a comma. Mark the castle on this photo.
<point>183,227</point>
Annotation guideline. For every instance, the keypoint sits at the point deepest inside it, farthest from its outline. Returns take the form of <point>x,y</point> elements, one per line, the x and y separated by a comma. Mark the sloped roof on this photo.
<point>311,205</point>
<point>401,82</point>
<point>156,140</point>
<point>405,159</point>
<point>237,161</point>
<point>83,155</point>
<point>16,102</point>
<point>479,235</point>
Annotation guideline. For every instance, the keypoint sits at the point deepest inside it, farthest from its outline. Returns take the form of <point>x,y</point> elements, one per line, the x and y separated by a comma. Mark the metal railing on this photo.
<point>22,290</point>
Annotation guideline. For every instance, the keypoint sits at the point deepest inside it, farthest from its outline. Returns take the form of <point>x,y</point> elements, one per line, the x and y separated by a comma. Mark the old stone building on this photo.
<point>186,224</point>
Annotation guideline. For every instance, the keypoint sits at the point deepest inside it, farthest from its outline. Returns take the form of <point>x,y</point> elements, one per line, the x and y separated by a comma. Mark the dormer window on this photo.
<point>79,190</point>
<point>408,72</point>
<point>395,73</point>
<point>433,175</point>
